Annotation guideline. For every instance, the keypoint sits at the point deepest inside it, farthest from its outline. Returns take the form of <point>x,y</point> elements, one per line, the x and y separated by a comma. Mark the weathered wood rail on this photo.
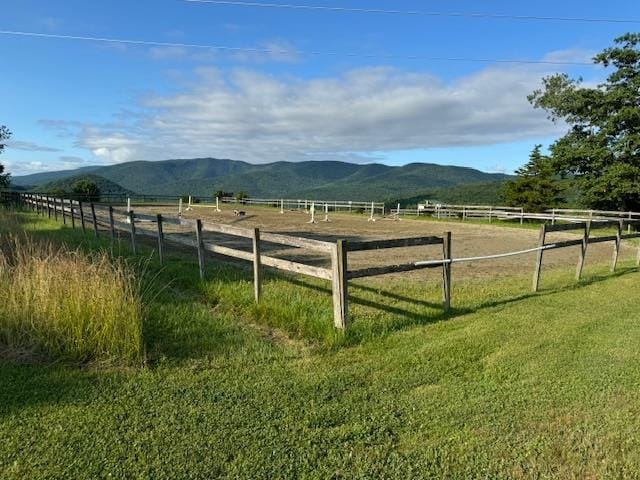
<point>115,221</point>
<point>107,219</point>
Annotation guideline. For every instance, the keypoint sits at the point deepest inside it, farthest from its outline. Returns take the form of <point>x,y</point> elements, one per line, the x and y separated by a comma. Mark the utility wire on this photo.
<point>285,51</point>
<point>421,13</point>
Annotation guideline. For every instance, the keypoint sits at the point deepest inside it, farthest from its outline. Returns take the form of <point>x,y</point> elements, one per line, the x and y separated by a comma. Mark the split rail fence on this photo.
<point>105,218</point>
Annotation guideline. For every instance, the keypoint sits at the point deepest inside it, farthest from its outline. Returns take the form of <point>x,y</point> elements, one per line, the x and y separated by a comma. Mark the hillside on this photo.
<point>66,184</point>
<point>318,179</point>
<point>487,193</point>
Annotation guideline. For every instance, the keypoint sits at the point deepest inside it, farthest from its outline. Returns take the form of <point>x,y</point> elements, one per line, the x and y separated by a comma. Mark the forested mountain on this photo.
<point>316,179</point>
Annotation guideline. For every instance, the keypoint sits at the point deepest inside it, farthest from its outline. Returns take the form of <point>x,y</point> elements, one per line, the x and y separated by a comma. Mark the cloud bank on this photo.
<point>257,117</point>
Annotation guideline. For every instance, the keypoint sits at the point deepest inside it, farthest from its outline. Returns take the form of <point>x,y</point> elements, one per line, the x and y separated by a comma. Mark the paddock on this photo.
<point>469,239</point>
<point>345,249</point>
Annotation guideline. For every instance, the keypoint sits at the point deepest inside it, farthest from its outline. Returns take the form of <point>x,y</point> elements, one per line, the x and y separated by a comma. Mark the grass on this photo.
<point>511,385</point>
<point>60,304</point>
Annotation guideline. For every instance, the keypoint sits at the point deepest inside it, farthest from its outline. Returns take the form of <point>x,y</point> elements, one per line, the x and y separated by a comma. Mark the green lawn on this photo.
<point>509,385</point>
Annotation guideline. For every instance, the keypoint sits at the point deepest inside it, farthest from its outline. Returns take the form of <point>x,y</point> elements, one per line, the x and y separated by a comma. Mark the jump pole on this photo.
<point>128,204</point>
<point>217,205</point>
<point>180,207</point>
<point>312,210</point>
<point>326,213</point>
<point>281,206</point>
<point>371,219</point>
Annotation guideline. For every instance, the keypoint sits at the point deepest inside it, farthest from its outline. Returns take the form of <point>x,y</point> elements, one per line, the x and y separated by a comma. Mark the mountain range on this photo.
<point>311,179</point>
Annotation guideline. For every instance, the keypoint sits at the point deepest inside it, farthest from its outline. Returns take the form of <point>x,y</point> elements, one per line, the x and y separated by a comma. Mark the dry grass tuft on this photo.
<point>66,305</point>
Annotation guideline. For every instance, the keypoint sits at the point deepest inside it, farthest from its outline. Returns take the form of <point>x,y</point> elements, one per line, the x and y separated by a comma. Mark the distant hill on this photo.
<point>38,179</point>
<point>66,184</point>
<point>471,194</point>
<point>317,179</point>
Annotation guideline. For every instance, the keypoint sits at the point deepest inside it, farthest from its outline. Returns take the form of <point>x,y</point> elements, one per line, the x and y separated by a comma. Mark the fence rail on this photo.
<point>107,219</point>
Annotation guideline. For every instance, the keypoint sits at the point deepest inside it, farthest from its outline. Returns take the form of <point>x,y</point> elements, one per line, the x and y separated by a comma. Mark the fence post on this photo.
<point>536,273</point>
<point>55,208</point>
<point>446,271</point>
<point>160,240</point>
<point>616,245</point>
<point>48,200</point>
<point>94,219</point>
<point>112,226</point>
<point>73,214</point>
<point>132,223</point>
<point>340,285</point>
<point>583,250</point>
<point>64,213</point>
<point>200,246</point>
<point>84,230</point>
<point>521,216</point>
<point>257,277</point>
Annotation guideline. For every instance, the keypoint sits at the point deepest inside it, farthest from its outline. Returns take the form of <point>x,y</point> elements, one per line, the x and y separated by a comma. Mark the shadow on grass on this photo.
<point>27,386</point>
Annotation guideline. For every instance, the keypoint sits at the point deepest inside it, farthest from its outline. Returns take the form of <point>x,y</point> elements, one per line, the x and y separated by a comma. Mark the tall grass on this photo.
<point>66,305</point>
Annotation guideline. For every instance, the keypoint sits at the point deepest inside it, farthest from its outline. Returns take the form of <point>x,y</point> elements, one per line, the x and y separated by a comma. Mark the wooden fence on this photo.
<point>491,212</point>
<point>585,228</point>
<point>105,218</point>
<point>100,218</point>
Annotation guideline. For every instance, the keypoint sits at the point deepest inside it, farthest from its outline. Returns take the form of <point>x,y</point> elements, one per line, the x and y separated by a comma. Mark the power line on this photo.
<point>421,13</point>
<point>288,52</point>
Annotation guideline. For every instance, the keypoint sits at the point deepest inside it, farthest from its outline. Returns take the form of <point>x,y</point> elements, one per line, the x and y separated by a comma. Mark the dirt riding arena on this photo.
<point>469,239</point>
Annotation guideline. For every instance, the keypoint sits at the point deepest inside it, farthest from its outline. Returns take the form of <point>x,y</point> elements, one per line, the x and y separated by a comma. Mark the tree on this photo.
<point>536,188</point>
<point>5,178</point>
<point>241,196</point>
<point>602,148</point>
<point>57,192</point>
<point>222,194</point>
<point>87,190</point>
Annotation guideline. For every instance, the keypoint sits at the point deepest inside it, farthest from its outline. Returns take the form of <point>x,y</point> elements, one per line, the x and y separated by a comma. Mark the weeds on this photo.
<point>67,305</point>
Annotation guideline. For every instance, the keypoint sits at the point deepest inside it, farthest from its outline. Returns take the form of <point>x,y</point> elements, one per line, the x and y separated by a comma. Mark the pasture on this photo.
<point>508,384</point>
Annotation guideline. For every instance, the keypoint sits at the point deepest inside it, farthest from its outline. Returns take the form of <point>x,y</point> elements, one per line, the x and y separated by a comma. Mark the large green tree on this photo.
<point>5,178</point>
<point>602,148</point>
<point>87,190</point>
<point>536,187</point>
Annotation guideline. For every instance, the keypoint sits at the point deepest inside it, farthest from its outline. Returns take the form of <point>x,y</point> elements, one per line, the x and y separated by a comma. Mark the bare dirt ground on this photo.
<point>469,239</point>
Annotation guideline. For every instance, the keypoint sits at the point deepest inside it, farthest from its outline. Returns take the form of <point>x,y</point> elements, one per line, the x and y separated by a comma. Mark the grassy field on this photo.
<point>509,385</point>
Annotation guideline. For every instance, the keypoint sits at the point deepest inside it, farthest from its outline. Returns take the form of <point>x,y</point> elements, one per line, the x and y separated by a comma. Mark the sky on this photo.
<point>289,84</point>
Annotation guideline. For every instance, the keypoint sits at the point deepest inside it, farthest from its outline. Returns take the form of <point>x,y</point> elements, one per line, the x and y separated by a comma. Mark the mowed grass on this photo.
<point>509,385</point>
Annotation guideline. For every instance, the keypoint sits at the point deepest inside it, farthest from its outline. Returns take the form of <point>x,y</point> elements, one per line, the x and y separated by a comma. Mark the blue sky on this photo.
<point>72,103</point>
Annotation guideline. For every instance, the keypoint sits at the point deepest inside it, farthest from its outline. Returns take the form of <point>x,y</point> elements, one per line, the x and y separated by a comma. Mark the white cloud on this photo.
<point>26,167</point>
<point>29,146</point>
<point>259,118</point>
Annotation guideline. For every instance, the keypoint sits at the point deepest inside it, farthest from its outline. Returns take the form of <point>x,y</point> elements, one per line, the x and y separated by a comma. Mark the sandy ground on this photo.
<point>468,240</point>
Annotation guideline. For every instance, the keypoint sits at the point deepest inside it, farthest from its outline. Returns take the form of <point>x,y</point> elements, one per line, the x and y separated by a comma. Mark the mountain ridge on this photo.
<point>327,179</point>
